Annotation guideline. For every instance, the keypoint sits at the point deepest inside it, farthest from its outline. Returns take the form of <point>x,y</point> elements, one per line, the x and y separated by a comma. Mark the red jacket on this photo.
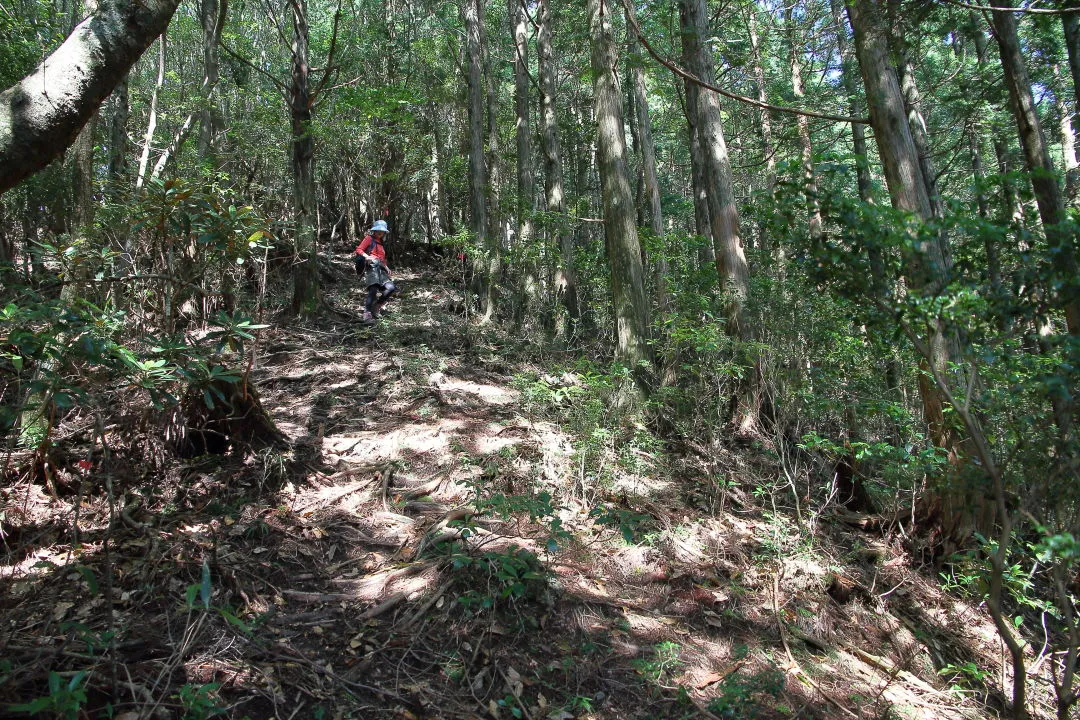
<point>373,248</point>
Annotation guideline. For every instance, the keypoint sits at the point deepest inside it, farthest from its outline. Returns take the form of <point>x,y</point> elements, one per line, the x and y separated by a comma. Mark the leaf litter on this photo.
<point>355,574</point>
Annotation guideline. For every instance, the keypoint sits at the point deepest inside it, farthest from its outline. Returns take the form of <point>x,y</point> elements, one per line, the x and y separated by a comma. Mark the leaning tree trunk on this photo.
<point>306,270</point>
<point>623,246</point>
<point>919,133</point>
<point>41,115</point>
<point>723,210</point>
<point>206,116</point>
<point>1048,194</point>
<point>151,123</point>
<point>565,280</point>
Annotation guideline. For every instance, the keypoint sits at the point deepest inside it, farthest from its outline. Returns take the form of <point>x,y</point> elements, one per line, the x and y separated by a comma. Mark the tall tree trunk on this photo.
<point>982,202</point>
<point>526,183</point>
<point>302,143</point>
<point>623,246</point>
<point>648,168</point>
<point>443,217</point>
<point>151,123</point>
<point>118,139</point>
<point>565,280</point>
<point>706,253</point>
<point>919,134</point>
<point>768,146</point>
<point>212,18</point>
<point>1065,132</point>
<point>41,115</point>
<point>952,508</point>
<point>1071,24</point>
<point>1012,213</point>
<point>498,225</point>
<point>858,144</point>
<point>82,165</point>
<point>478,212</point>
<point>723,212</point>
<point>1048,194</point>
<point>206,115</point>
<point>806,147</point>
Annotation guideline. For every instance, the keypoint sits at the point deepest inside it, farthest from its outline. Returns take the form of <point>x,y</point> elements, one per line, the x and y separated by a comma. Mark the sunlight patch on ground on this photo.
<point>645,627</point>
<point>380,586</point>
<point>802,572</point>
<point>379,445</point>
<point>638,563</point>
<point>492,394</point>
<point>635,484</point>
<point>38,564</point>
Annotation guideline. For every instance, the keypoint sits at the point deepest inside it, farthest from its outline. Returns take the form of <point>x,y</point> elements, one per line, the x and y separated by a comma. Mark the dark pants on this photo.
<point>378,295</point>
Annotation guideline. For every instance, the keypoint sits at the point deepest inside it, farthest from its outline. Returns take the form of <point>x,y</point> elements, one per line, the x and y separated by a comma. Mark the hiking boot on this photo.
<point>368,317</point>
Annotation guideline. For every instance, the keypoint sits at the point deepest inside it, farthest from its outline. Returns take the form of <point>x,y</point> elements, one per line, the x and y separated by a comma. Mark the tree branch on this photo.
<point>330,67</point>
<point>277,83</point>
<point>741,98</point>
<point>1027,10</point>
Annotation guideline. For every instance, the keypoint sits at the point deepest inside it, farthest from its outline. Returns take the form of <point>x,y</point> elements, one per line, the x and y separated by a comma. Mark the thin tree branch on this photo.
<point>277,83</point>
<point>1027,10</point>
<point>741,98</point>
<point>330,67</point>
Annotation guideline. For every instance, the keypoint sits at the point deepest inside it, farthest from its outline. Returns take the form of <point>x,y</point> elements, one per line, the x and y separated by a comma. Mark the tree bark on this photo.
<point>1067,136</point>
<point>651,182</point>
<point>706,253</point>
<point>623,246</point>
<point>212,15</point>
<point>82,165</point>
<point>1048,196</point>
<point>955,510</point>
<point>118,139</point>
<point>723,212</point>
<point>768,146</point>
<point>305,242</point>
<point>151,123</point>
<point>806,147</point>
<point>478,213</point>
<point>526,183</point>
<point>919,134</point>
<point>565,280</point>
<point>497,221</point>
<point>1071,24</point>
<point>42,114</point>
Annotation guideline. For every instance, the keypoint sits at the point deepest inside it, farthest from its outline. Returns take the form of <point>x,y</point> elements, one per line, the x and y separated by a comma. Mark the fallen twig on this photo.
<point>427,605</point>
<point>388,604</point>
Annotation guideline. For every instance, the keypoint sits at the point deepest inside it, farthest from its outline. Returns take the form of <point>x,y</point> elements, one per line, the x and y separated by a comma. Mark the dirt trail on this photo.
<point>426,549</point>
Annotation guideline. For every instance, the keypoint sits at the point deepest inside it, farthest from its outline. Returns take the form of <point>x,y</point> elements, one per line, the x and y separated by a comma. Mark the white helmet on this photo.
<point>380,226</point>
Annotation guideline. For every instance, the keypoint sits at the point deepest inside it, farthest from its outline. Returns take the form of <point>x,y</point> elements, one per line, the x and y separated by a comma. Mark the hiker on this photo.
<point>371,263</point>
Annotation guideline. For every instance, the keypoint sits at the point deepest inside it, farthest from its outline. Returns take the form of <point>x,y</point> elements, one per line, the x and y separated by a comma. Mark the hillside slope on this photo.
<point>455,531</point>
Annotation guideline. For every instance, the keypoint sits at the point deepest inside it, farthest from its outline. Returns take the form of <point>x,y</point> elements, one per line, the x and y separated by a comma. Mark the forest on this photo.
<point>732,369</point>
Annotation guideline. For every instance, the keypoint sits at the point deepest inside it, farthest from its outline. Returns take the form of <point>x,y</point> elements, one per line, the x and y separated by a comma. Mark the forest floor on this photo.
<point>431,544</point>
